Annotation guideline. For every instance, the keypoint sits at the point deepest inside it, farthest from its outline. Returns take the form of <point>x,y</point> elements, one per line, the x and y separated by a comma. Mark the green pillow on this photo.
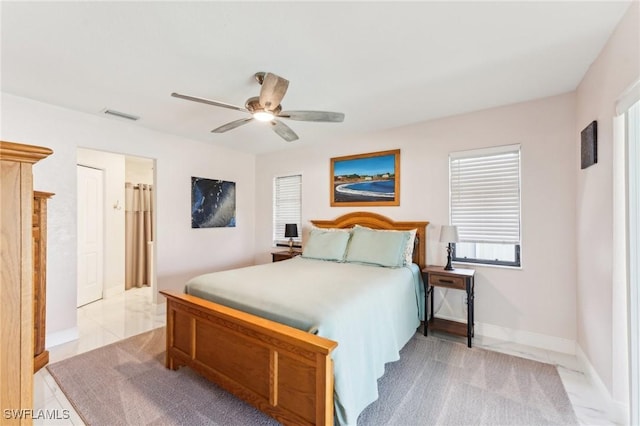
<point>326,245</point>
<point>411,238</point>
<point>377,247</point>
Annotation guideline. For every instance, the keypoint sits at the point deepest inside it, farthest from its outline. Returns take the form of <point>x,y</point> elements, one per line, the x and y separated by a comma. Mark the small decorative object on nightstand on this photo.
<point>458,279</point>
<point>449,234</point>
<point>277,256</point>
<point>291,232</point>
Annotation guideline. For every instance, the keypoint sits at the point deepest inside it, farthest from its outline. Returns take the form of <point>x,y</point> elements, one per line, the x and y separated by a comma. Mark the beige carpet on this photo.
<point>436,382</point>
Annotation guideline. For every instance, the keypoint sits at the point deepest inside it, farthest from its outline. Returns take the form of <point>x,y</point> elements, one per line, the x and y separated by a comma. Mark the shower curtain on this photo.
<point>139,235</point>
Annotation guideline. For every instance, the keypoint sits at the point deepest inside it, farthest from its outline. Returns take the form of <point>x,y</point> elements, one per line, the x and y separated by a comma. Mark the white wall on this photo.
<point>537,303</point>
<point>599,313</point>
<point>182,252</point>
<point>138,170</point>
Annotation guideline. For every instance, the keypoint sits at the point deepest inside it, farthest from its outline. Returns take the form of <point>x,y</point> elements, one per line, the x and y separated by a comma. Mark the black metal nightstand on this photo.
<point>457,279</point>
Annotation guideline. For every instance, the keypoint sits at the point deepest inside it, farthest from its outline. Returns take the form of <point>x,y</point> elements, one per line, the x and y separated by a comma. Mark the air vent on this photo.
<point>121,114</point>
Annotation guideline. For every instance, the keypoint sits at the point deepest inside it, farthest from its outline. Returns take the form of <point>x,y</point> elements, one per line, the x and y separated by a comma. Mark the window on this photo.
<point>287,205</point>
<point>484,188</point>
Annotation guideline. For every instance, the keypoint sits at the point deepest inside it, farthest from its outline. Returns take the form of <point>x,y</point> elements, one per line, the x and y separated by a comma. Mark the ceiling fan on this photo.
<point>267,108</point>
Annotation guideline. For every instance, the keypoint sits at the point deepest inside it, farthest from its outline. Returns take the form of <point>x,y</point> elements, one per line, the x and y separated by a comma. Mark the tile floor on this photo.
<point>109,320</point>
<point>99,324</point>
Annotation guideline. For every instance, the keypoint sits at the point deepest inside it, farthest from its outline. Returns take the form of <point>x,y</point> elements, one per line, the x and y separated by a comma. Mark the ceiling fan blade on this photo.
<point>272,91</point>
<point>208,102</point>
<point>323,116</point>
<point>232,125</point>
<point>283,130</point>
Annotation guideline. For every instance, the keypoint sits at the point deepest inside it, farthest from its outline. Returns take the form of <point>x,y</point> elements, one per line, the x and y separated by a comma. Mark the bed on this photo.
<point>281,359</point>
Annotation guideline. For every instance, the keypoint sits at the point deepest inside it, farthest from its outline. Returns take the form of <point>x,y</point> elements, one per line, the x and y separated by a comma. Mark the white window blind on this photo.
<point>287,204</point>
<point>485,194</point>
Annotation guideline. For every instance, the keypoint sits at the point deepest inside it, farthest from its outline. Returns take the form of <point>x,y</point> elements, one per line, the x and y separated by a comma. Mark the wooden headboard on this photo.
<point>377,221</point>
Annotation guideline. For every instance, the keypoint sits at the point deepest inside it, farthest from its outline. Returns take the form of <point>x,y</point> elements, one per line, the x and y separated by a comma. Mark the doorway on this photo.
<point>633,217</point>
<point>116,169</point>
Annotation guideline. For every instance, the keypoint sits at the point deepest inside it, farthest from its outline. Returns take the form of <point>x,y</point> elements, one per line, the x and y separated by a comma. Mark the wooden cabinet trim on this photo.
<point>12,151</point>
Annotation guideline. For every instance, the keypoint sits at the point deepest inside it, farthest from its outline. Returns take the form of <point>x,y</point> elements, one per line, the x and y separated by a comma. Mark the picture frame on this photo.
<point>213,203</point>
<point>589,145</point>
<point>371,179</point>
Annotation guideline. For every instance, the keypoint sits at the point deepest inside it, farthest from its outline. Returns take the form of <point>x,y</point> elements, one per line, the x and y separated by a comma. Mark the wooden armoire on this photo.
<point>16,278</point>
<point>41,356</point>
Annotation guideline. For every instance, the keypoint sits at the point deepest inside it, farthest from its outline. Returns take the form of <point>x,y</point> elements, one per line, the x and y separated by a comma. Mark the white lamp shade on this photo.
<point>449,234</point>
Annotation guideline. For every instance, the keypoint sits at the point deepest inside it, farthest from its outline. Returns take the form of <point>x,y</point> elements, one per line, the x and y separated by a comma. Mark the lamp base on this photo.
<point>449,267</point>
<point>290,245</point>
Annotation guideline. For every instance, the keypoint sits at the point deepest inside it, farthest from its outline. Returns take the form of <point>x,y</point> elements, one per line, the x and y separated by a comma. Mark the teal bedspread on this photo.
<point>371,312</point>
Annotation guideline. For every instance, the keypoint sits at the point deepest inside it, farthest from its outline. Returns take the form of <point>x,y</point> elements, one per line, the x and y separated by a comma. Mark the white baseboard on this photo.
<point>618,411</point>
<point>537,340</point>
<point>63,336</point>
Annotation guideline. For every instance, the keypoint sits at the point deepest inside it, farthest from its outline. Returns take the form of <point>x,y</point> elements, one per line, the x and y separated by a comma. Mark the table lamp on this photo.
<point>449,234</point>
<point>291,232</point>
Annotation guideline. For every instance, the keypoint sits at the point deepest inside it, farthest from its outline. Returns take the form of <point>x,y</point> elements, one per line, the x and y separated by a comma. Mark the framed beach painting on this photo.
<point>213,203</point>
<point>371,179</point>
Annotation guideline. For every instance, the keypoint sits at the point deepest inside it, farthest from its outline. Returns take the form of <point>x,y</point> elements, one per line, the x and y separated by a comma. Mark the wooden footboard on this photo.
<point>284,372</point>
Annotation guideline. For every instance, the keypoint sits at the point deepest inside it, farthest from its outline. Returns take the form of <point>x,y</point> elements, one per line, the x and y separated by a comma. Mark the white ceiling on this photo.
<point>384,64</point>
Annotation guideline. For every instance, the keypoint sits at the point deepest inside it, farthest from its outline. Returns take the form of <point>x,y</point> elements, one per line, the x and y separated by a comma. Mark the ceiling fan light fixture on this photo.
<point>263,116</point>
<point>261,108</point>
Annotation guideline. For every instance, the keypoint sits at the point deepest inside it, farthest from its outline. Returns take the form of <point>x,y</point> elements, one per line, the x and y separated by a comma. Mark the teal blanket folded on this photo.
<point>370,311</point>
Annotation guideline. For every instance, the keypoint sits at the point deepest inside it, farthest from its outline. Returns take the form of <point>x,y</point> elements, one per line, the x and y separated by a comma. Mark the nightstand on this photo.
<point>457,279</point>
<point>277,256</point>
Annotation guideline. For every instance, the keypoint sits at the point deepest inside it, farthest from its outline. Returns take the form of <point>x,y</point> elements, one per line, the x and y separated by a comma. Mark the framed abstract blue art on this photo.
<point>213,203</point>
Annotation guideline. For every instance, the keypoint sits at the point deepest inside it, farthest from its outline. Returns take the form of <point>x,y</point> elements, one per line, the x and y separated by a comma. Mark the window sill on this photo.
<point>286,246</point>
<point>486,265</point>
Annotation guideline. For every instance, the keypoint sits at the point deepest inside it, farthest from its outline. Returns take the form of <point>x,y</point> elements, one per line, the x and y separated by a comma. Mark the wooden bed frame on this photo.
<point>284,372</point>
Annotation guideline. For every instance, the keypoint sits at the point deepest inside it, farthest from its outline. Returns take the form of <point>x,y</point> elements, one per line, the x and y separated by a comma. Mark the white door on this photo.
<point>90,234</point>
